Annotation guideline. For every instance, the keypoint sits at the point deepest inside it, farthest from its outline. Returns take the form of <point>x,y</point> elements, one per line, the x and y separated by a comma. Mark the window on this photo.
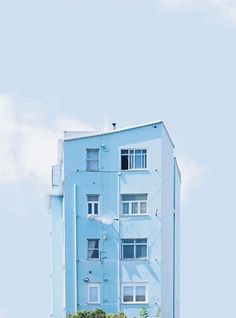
<point>93,249</point>
<point>133,204</point>
<point>133,159</point>
<point>134,293</point>
<point>134,248</point>
<point>92,159</point>
<point>93,293</point>
<point>93,204</point>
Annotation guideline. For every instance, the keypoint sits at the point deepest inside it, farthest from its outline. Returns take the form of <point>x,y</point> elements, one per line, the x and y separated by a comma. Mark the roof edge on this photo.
<point>120,130</point>
<point>178,170</point>
<point>168,135</point>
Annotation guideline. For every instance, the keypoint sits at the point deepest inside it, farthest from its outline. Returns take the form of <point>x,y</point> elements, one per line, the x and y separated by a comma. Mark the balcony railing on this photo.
<point>56,175</point>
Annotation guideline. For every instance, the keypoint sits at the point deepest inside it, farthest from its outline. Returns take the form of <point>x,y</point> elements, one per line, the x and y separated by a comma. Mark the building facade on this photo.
<point>115,213</point>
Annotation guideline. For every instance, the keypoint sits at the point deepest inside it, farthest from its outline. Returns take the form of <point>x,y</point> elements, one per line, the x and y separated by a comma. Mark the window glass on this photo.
<point>128,251</point>
<point>140,241</point>
<point>128,294</point>
<point>92,159</point>
<point>124,162</point>
<point>133,204</point>
<point>125,208</point>
<point>140,292</point>
<point>132,159</point>
<point>93,293</point>
<point>143,207</point>
<point>134,197</point>
<point>134,248</point>
<point>128,240</point>
<point>95,208</point>
<point>138,160</point>
<point>92,197</point>
<point>134,293</point>
<point>134,208</point>
<point>92,154</point>
<point>93,203</point>
<point>141,251</point>
<point>93,248</point>
<point>89,208</point>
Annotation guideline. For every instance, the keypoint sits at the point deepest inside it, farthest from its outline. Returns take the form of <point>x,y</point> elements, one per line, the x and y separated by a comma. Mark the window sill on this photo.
<point>92,170</point>
<point>133,170</point>
<point>92,216</point>
<point>134,259</point>
<point>128,215</point>
<point>135,303</point>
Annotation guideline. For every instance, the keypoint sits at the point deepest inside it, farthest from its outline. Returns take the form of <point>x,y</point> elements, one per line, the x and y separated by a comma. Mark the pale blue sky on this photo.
<point>67,61</point>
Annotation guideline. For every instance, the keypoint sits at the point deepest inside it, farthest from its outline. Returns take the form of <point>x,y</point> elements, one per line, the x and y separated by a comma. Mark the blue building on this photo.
<point>115,213</point>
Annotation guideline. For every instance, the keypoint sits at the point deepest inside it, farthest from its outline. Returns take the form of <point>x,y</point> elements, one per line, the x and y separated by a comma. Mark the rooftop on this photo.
<point>72,135</point>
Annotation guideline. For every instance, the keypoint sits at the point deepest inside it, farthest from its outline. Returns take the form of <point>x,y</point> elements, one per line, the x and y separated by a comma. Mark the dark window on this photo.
<point>134,248</point>
<point>133,159</point>
<point>124,160</point>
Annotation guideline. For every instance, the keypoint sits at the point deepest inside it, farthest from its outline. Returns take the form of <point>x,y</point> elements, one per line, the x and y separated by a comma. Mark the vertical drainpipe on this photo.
<point>102,241</point>
<point>64,256</point>
<point>174,242</point>
<point>119,254</point>
<point>51,260</point>
<point>75,244</point>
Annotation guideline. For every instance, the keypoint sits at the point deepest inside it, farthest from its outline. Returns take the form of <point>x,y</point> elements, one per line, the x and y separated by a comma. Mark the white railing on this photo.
<point>56,175</point>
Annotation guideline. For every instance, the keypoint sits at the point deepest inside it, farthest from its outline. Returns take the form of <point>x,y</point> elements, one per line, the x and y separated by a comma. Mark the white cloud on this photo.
<point>226,8</point>
<point>28,146</point>
<point>191,172</point>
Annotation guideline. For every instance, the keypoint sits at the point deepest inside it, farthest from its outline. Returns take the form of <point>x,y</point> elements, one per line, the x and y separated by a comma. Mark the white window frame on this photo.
<point>134,285</point>
<point>135,245</point>
<point>130,156</point>
<point>131,202</point>
<point>87,160</point>
<point>98,249</point>
<point>94,285</point>
<point>93,205</point>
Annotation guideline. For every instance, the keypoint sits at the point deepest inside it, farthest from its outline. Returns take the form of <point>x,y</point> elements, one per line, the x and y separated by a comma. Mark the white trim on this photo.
<point>64,255</point>
<point>75,245</point>
<point>51,261</point>
<point>119,245</point>
<point>93,205</point>
<point>94,285</point>
<point>134,285</point>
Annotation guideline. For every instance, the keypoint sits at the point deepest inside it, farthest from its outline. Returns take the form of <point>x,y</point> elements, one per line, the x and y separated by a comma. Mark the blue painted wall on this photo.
<point>159,181</point>
<point>57,239</point>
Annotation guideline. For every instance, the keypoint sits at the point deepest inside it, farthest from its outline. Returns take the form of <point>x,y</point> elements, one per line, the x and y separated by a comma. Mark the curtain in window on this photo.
<point>92,159</point>
<point>93,248</point>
